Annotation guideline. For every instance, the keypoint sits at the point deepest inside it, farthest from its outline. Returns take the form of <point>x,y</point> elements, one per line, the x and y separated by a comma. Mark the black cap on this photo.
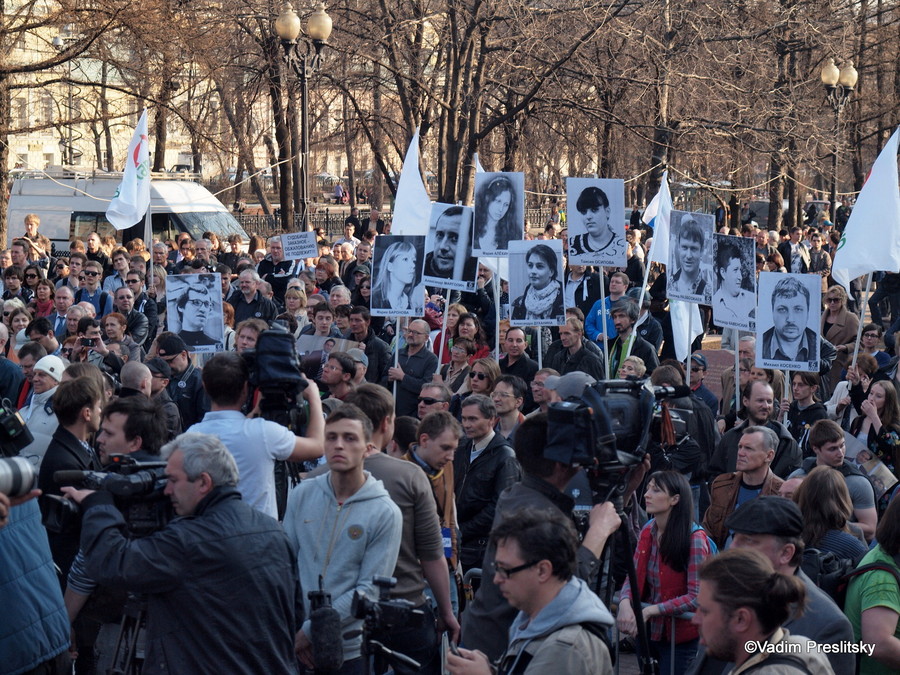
<point>170,345</point>
<point>159,367</point>
<point>767,515</point>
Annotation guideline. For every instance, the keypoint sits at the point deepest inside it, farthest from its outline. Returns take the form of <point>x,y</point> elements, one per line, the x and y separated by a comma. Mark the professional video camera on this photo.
<point>14,435</point>
<point>381,617</point>
<point>608,431</point>
<point>137,488</point>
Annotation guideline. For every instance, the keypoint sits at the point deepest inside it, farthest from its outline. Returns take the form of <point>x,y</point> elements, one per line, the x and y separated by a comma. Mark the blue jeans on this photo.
<point>684,654</point>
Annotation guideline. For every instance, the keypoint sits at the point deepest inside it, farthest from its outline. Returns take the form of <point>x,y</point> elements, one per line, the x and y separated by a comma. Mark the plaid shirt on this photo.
<point>700,551</point>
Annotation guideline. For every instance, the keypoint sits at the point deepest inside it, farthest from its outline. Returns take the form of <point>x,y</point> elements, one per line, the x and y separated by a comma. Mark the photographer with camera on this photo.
<point>561,624</point>
<point>221,554</point>
<point>77,405</point>
<point>488,617</point>
<point>255,443</point>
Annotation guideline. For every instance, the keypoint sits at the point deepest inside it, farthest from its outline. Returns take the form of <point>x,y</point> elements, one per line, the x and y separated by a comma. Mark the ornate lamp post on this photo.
<point>303,62</point>
<point>839,85</point>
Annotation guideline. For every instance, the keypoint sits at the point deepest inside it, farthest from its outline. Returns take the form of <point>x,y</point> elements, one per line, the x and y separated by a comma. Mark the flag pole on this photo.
<point>737,375</point>
<point>862,311</point>
<point>443,334</point>
<point>687,361</point>
<point>540,347</point>
<point>497,310</point>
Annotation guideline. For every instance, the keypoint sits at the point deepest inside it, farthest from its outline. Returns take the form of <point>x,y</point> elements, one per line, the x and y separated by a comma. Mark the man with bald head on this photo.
<point>136,379</point>
<point>62,301</point>
<point>415,366</point>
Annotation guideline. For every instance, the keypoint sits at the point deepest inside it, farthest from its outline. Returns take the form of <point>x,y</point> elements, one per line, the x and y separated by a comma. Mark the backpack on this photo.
<point>844,582</point>
<point>827,571</point>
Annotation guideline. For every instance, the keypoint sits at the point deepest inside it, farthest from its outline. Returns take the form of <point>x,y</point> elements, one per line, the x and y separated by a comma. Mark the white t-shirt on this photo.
<point>255,444</point>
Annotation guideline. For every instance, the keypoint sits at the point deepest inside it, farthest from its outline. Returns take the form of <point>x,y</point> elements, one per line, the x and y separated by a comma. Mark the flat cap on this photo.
<point>767,515</point>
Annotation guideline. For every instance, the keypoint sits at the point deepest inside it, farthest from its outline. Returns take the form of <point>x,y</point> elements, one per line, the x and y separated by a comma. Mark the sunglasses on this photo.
<point>61,266</point>
<point>695,370</point>
<point>31,276</point>
<point>132,281</point>
<point>91,273</point>
<point>427,400</point>
<point>830,300</point>
<point>480,376</point>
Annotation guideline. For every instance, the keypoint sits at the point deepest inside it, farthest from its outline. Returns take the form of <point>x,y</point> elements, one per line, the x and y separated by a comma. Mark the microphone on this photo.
<point>325,631</point>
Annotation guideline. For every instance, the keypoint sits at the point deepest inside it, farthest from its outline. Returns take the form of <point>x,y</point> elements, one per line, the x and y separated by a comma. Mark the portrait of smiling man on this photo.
<point>789,342</point>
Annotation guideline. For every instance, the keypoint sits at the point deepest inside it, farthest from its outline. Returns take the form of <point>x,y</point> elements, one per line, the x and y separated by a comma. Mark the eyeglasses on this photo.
<point>427,400</point>
<point>414,332</point>
<point>132,281</point>
<point>507,572</point>
<point>92,273</point>
<point>502,394</point>
<point>193,302</point>
<point>480,376</point>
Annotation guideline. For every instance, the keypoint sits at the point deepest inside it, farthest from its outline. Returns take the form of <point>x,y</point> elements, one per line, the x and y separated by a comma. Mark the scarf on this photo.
<point>539,304</point>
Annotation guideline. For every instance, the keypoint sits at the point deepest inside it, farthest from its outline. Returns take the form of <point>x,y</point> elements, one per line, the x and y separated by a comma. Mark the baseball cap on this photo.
<point>170,345</point>
<point>700,360</point>
<point>635,294</point>
<point>767,515</point>
<point>159,367</point>
<point>362,268</point>
<point>359,356</point>
<point>52,365</point>
<point>569,385</point>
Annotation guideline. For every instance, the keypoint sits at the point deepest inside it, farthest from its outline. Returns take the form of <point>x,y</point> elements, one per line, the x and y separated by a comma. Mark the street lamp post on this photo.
<point>318,29</point>
<point>839,84</point>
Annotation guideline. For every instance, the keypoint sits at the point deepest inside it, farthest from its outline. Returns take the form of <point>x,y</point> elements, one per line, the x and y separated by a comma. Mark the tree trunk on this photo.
<point>5,117</point>
<point>348,149</point>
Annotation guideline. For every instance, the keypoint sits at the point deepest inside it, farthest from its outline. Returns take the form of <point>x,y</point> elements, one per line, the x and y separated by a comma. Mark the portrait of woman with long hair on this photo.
<point>498,213</point>
<point>397,286</point>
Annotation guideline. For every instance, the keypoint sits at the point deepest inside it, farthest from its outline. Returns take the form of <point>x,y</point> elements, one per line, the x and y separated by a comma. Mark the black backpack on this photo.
<point>844,582</point>
<point>826,570</point>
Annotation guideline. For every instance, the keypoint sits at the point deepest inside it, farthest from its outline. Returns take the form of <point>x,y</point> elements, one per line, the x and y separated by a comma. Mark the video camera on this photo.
<point>275,370</point>
<point>17,475</point>
<point>137,487</point>
<point>607,430</point>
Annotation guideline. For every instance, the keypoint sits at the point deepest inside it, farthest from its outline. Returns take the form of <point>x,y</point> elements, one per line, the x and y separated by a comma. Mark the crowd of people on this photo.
<point>422,458</point>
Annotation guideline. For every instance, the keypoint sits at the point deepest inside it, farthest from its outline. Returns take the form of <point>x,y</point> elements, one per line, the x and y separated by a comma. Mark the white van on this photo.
<point>72,206</point>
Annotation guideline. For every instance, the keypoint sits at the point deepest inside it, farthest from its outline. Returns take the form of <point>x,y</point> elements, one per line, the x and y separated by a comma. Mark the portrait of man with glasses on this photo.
<point>195,311</point>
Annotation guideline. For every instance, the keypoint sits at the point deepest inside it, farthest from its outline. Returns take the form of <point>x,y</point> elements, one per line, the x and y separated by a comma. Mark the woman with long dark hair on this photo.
<point>469,326</point>
<point>824,501</point>
<point>878,425</point>
<point>670,550</point>
<point>496,215</point>
<point>543,297</point>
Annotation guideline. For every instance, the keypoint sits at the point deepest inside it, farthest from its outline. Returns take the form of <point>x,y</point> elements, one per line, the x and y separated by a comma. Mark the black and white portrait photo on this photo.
<point>788,321</point>
<point>397,286</point>
<point>689,272</point>
<point>499,212</point>
<point>734,265</point>
<point>535,284</point>
<point>596,221</point>
<point>194,311</point>
<point>449,263</point>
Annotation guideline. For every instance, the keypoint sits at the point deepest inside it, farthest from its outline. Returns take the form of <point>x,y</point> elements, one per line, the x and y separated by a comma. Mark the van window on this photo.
<point>83,223</point>
<point>222,223</point>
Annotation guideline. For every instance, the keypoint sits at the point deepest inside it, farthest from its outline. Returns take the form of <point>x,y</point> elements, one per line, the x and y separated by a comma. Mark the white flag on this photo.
<point>132,199</point>
<point>412,208</point>
<point>871,240</point>
<point>686,326</point>
<point>478,167</point>
<point>657,215</point>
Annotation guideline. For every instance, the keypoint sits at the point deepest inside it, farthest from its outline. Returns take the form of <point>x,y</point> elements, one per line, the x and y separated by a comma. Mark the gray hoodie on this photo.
<point>574,604</point>
<point>347,544</point>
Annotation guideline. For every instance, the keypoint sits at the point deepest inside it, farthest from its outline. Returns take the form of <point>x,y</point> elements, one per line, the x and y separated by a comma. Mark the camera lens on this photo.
<point>16,476</point>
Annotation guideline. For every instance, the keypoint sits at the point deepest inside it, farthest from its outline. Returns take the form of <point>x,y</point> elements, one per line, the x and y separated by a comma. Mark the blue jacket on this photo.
<point>221,585</point>
<point>594,324</point>
<point>35,627</point>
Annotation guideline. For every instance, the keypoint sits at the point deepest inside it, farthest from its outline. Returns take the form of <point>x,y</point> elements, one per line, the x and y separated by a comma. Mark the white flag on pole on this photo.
<point>657,215</point>
<point>871,239</point>
<point>132,199</point>
<point>685,316</point>
<point>412,208</point>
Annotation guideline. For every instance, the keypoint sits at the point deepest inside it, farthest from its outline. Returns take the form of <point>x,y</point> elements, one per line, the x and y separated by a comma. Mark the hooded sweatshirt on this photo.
<point>575,604</point>
<point>347,544</point>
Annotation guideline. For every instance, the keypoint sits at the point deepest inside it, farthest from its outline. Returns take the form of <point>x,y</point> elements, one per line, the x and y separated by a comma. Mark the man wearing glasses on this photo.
<point>415,366</point>
<point>69,271</point>
<point>560,619</point>
<point>433,398</point>
<point>196,314</point>
<point>101,300</point>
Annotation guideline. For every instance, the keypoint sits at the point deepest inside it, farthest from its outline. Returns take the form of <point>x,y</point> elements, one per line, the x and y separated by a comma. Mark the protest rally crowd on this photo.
<point>422,456</point>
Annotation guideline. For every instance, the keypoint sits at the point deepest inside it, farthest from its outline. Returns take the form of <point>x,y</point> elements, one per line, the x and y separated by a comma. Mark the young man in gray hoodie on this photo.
<point>345,529</point>
<point>560,621</point>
